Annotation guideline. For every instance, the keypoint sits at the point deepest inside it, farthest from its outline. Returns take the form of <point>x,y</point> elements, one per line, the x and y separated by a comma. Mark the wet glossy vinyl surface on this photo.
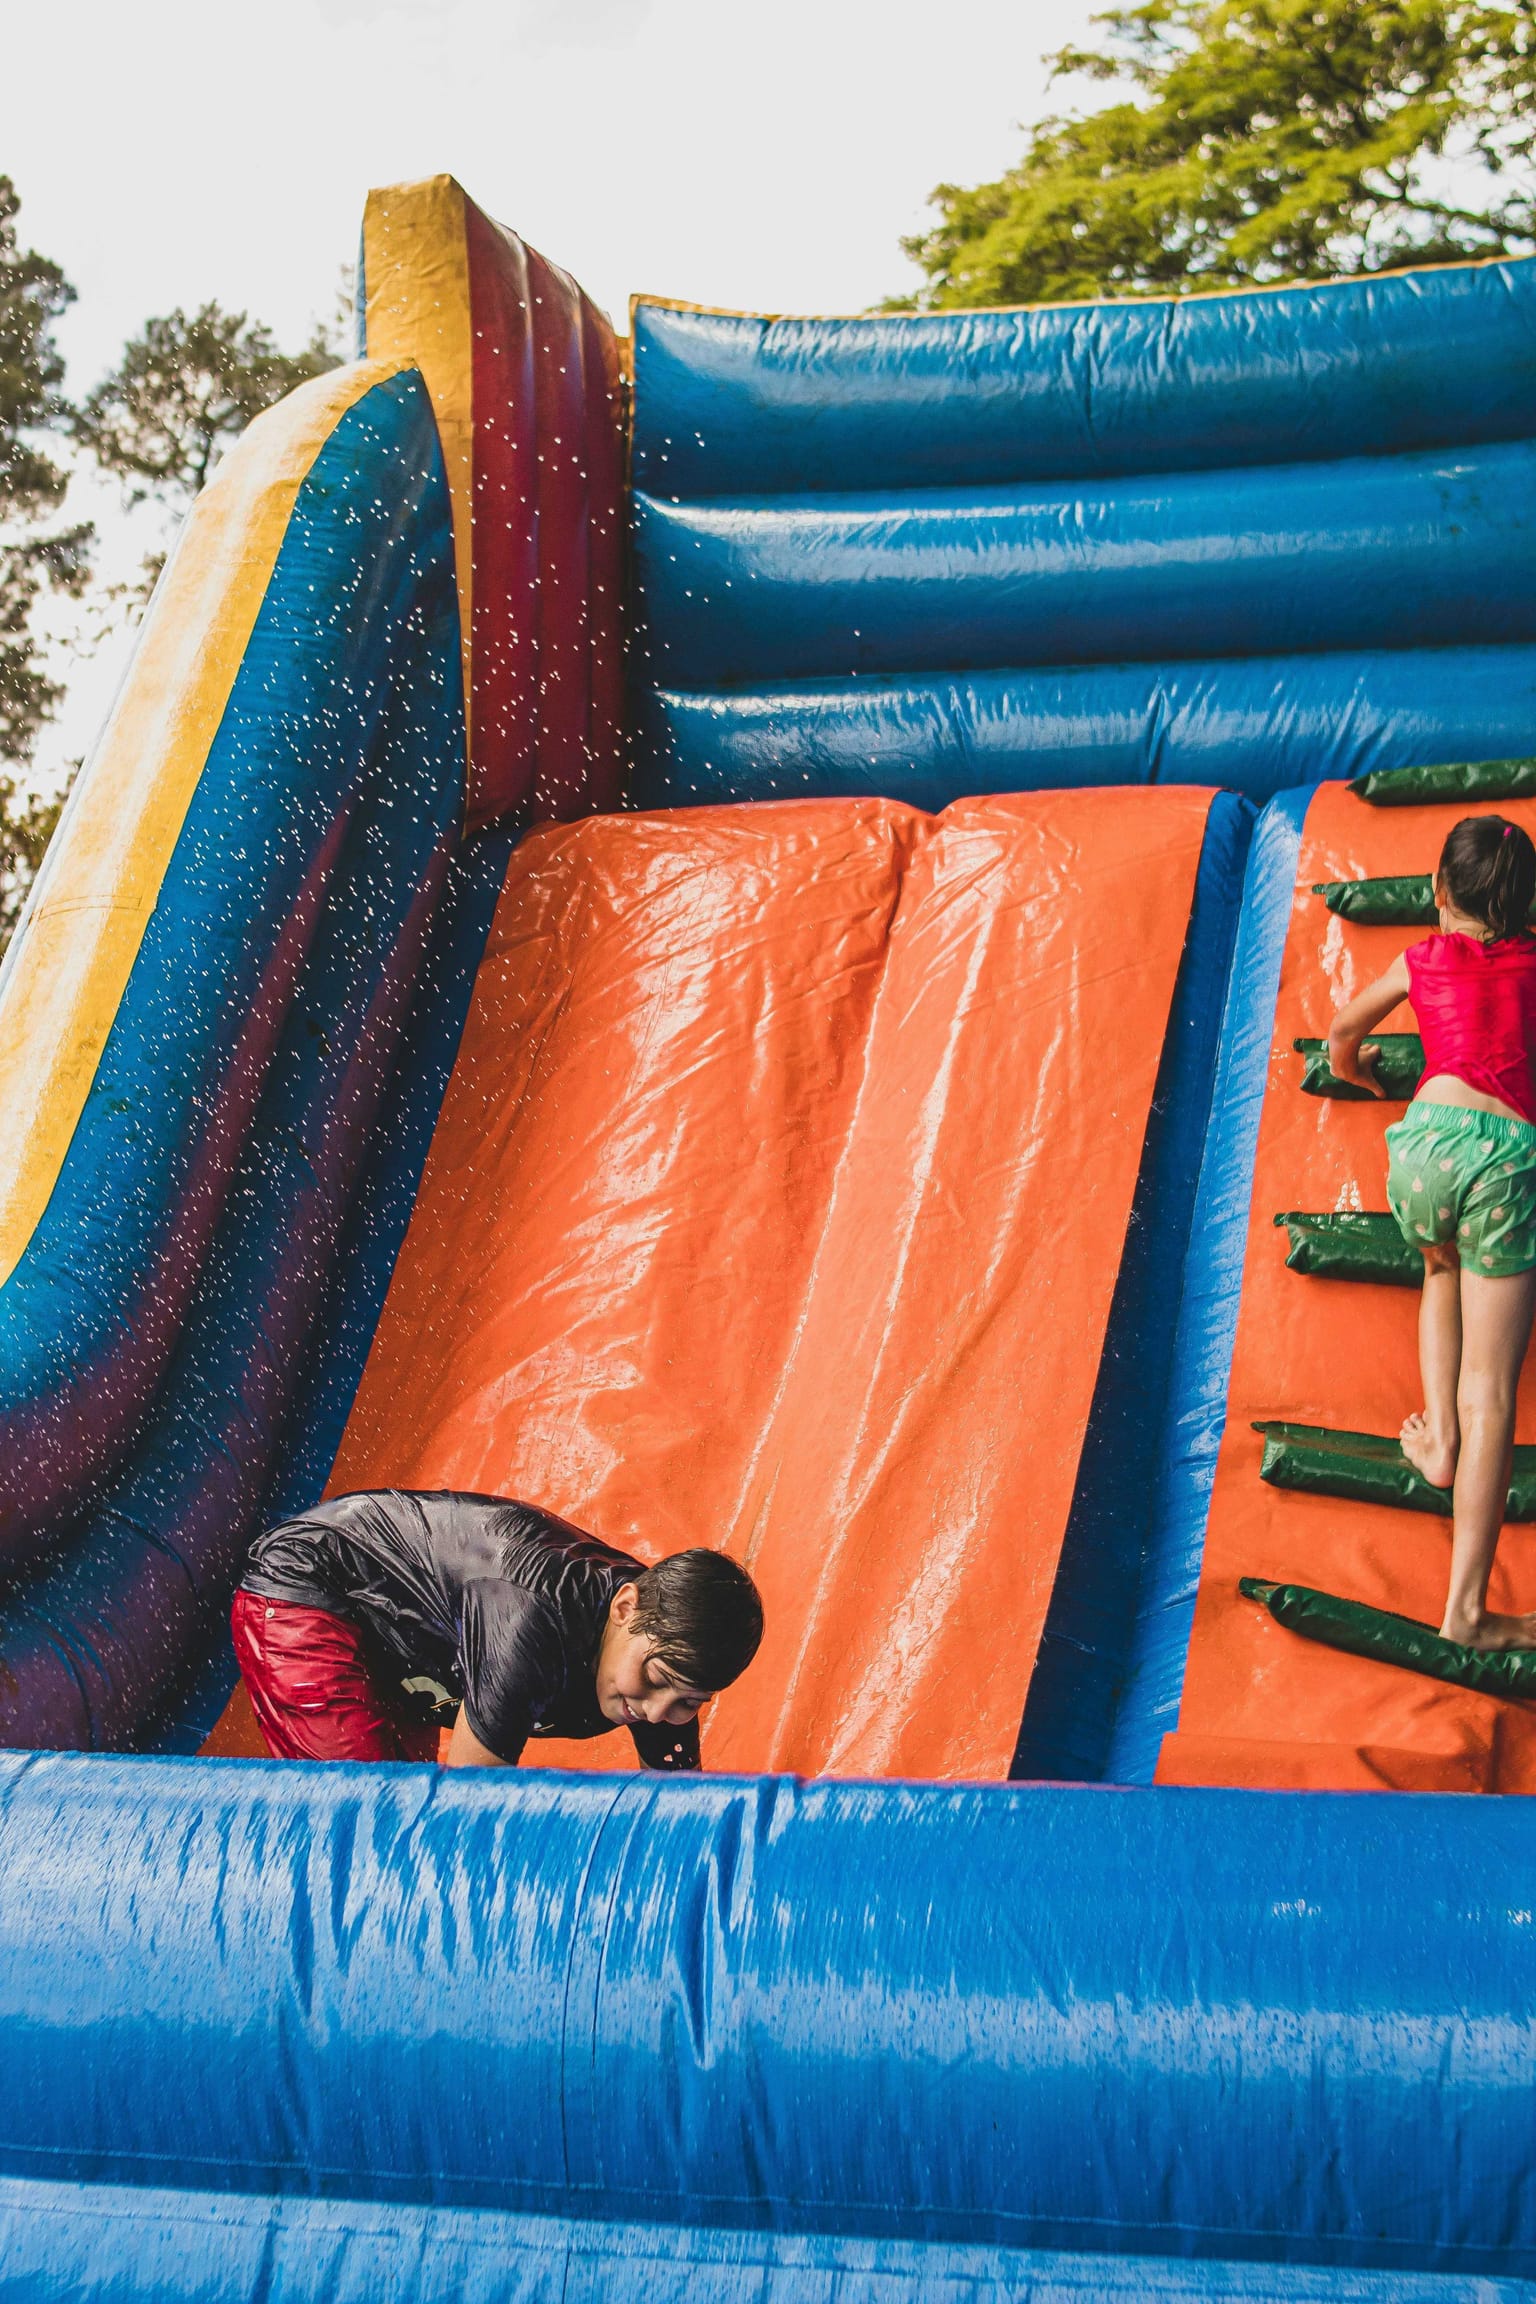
<point>1259,1705</point>
<point>734,1229</point>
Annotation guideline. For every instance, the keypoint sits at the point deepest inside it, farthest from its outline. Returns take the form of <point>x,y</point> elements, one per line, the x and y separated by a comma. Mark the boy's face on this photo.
<point>630,1686</point>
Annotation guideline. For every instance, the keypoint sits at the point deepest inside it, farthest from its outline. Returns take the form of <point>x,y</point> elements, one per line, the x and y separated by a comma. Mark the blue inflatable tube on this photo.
<point>731,404</point>
<point>1190,1431</point>
<point>1079,1678</point>
<point>721,2003</point>
<point>91,1314</point>
<point>125,2244</point>
<point>1258,726</point>
<point>1411,551</point>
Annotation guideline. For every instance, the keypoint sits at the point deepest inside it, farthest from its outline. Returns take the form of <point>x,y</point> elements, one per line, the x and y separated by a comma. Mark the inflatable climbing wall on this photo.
<point>727,931</point>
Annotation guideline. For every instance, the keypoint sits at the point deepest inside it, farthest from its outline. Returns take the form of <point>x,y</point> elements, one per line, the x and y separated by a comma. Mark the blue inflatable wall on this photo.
<point>1249,539</point>
<point>718,2039</point>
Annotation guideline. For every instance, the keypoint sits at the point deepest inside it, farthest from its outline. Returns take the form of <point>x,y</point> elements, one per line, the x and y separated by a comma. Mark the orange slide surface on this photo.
<point>1262,1707</point>
<point>776,1203</point>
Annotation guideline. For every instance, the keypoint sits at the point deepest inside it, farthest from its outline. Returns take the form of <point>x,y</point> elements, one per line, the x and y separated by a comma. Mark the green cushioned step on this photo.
<point>1398,1068</point>
<point>1349,1245</point>
<point>1377,1633</point>
<point>1367,1468</point>
<point>1453,781</point>
<point>1408,902</point>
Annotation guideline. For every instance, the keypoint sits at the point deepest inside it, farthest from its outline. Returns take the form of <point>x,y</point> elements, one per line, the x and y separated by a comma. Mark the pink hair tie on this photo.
<point>1504,835</point>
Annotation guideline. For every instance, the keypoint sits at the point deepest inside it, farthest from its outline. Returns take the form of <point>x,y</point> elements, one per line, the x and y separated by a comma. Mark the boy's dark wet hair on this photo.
<point>702,1616</point>
<point>1488,870</point>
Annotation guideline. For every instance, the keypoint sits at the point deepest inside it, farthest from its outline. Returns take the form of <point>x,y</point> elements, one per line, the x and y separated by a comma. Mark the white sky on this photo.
<point>767,156</point>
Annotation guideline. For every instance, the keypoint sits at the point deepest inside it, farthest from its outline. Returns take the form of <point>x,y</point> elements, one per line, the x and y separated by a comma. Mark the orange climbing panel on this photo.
<point>1262,1707</point>
<point>776,1203</point>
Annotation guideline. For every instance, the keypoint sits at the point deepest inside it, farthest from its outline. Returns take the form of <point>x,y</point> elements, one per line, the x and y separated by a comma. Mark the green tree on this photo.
<point>34,554</point>
<point>185,387</point>
<point>1256,140</point>
<point>33,292</point>
<point>27,820</point>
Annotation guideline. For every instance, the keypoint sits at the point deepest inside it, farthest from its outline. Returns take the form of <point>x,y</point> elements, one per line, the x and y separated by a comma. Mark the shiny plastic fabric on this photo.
<point>1260,726</point>
<point>1259,1707</point>
<point>823,1357</point>
<point>1387,1639</point>
<point>1369,1468</point>
<point>338,713</point>
<point>93,1646</point>
<point>1350,1244</point>
<point>1075,1713</point>
<point>523,371</point>
<point>1399,1068</point>
<point>1455,780</point>
<point>1415,551</point>
<point>1210,1299</point>
<point>933,2014</point>
<point>132,2244</point>
<point>727,403</point>
<point>1408,901</point>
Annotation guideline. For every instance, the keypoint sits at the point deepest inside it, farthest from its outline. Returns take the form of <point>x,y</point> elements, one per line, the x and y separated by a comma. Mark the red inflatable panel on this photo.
<point>550,432</point>
<point>505,656</point>
<point>776,1203</point>
<point>524,376</point>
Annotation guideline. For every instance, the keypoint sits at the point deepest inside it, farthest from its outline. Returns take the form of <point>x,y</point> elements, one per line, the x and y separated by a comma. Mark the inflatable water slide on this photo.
<point>727,931</point>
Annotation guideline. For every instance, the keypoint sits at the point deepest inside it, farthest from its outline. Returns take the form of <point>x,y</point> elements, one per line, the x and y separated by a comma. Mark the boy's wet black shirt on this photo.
<point>500,1604</point>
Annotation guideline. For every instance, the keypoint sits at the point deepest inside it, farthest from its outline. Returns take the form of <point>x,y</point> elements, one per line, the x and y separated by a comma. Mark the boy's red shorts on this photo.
<point>311,1690</point>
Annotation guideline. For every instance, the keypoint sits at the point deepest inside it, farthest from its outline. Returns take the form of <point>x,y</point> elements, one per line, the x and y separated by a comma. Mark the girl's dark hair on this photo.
<point>702,1616</point>
<point>1488,870</point>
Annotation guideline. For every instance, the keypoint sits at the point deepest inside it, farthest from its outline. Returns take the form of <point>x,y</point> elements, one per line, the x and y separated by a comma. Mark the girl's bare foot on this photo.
<point>1490,1631</point>
<point>1433,1458</point>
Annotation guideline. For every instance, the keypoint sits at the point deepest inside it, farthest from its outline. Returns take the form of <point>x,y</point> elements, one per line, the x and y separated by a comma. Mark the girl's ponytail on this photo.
<point>1488,870</point>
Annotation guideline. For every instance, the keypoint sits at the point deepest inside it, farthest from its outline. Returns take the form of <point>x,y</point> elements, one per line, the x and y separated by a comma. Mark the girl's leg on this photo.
<point>1496,1327</point>
<point>1430,1439</point>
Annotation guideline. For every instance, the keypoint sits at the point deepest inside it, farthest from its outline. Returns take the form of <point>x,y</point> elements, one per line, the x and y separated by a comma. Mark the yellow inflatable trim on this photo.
<point>71,958</point>
<point>417,313</point>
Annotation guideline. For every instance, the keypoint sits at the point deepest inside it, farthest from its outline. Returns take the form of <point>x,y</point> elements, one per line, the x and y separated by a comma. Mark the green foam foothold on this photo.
<point>1367,1468</point>
<point>1399,1068</point>
<point>1448,780</point>
<point>1351,1245</point>
<point>1375,1632</point>
<point>1407,902</point>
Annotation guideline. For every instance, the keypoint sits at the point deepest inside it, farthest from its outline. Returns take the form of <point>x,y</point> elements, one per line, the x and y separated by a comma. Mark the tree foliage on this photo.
<point>33,555</point>
<point>186,387</point>
<point>27,820</point>
<point>1257,140</point>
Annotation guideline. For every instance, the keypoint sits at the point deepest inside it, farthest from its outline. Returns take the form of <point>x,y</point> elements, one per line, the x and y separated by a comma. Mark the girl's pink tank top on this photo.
<point>1476,1010</point>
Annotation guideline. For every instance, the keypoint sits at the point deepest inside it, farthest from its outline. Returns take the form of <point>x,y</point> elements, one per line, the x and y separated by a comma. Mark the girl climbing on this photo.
<point>1461,1183</point>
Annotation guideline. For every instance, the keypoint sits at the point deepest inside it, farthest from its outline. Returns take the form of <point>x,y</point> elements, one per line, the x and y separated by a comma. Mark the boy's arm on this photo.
<point>465,1749</point>
<point>1347,1059</point>
<point>511,1657</point>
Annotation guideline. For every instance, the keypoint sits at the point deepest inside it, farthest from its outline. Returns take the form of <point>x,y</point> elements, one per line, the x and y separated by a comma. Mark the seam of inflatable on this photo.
<point>640,298</point>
